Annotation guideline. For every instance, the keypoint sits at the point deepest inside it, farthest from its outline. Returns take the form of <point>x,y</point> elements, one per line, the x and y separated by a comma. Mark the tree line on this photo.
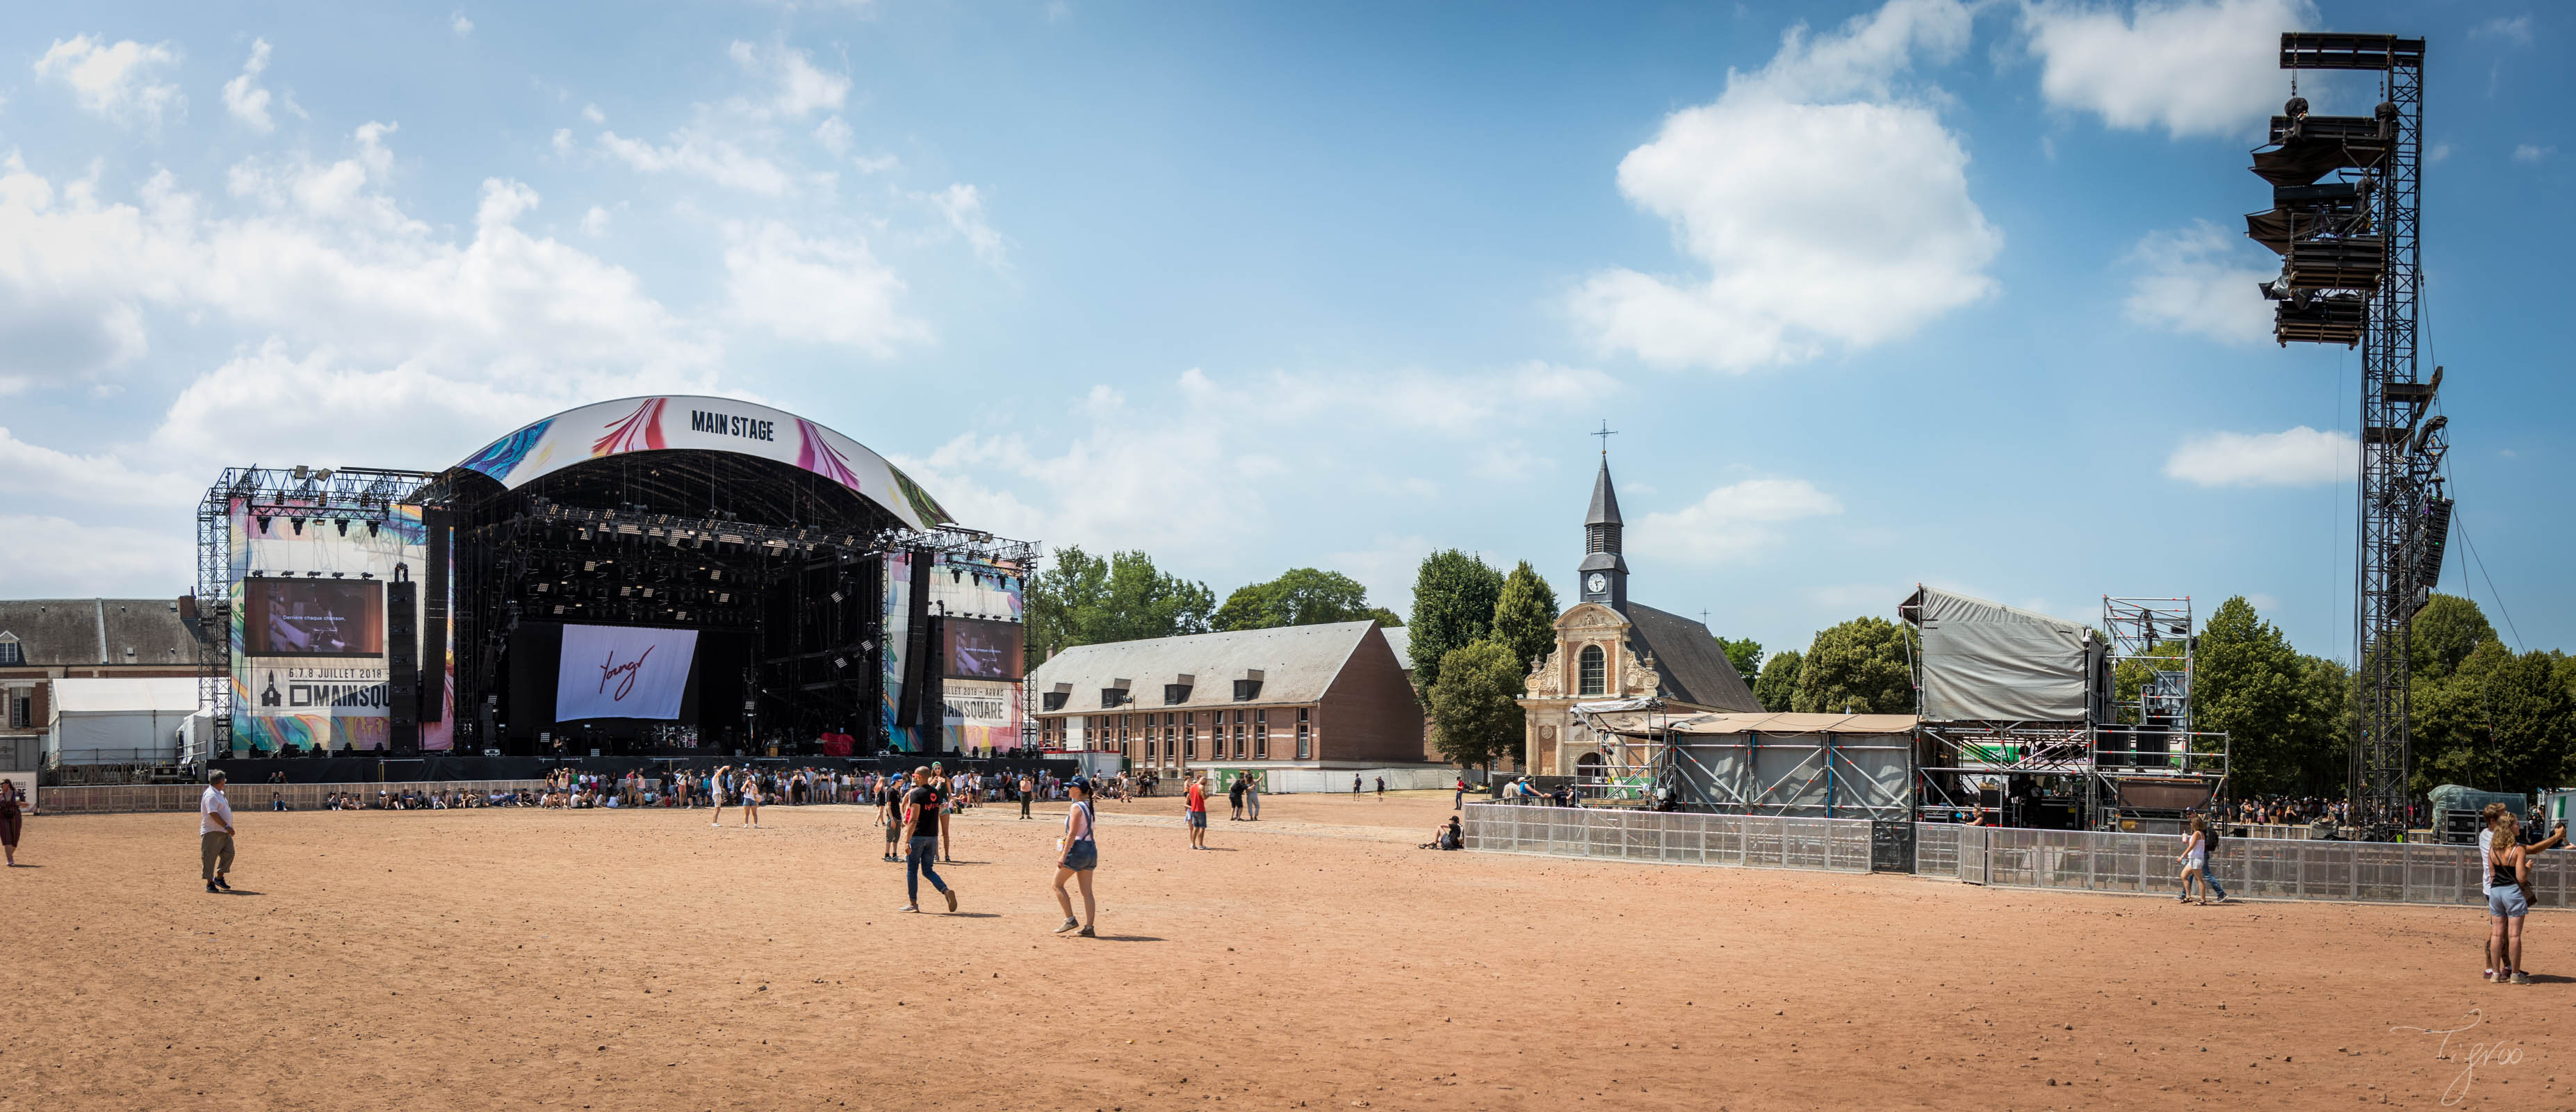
<point>1084,599</point>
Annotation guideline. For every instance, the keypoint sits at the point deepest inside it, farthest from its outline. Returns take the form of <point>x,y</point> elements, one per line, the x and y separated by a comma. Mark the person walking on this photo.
<point>2216,829</point>
<point>1458,802</point>
<point>1078,853</point>
<point>1381,789</point>
<point>890,815</point>
<point>2195,858</point>
<point>1355,785</point>
<point>1196,801</point>
<point>719,785</point>
<point>1252,797</point>
<point>1234,799</point>
<point>215,833</point>
<point>947,787</point>
<point>10,821</point>
<point>921,818</point>
<point>1028,788</point>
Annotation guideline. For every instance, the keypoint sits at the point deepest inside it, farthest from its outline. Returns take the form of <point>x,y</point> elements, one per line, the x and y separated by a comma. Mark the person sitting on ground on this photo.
<point>1446,837</point>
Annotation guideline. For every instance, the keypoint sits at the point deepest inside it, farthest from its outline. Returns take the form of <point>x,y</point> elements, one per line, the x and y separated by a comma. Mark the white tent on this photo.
<point>118,721</point>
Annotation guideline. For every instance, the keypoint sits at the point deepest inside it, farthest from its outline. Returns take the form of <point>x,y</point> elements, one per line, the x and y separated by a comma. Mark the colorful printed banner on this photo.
<point>704,424</point>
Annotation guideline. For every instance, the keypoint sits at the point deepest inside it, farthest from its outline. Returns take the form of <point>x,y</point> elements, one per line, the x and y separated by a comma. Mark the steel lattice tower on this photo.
<point>2352,274</point>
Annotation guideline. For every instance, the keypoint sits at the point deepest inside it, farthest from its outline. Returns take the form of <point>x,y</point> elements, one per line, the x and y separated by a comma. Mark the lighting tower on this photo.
<point>2344,220</point>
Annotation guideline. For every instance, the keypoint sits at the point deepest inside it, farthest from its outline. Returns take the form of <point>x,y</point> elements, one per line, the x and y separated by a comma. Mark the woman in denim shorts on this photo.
<point>1078,853</point>
<point>2508,898</point>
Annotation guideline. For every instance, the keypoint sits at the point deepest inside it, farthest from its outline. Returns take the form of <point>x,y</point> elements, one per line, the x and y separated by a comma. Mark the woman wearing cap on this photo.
<point>1076,856</point>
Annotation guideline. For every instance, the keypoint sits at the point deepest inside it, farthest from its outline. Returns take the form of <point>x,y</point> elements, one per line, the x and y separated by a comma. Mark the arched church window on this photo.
<point>1593,671</point>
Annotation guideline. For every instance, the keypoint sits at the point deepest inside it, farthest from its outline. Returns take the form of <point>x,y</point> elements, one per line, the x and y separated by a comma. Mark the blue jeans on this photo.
<point>916,865</point>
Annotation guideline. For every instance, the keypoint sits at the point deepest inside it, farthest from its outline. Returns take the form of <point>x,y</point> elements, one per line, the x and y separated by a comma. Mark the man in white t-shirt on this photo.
<point>215,833</point>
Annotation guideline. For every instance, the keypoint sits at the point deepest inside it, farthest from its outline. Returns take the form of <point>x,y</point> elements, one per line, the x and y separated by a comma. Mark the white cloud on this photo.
<point>242,95</point>
<point>963,207</point>
<point>816,289</point>
<point>1828,210</point>
<point>2192,67</point>
<point>1229,450</point>
<point>833,134</point>
<point>2300,456</point>
<point>1057,11</point>
<point>1733,522</point>
<point>2201,281</point>
<point>2529,154</point>
<point>592,113</point>
<point>803,89</point>
<point>115,82</point>
<point>595,222</point>
<point>37,558</point>
<point>459,24</point>
<point>690,152</point>
<point>2516,30</point>
<point>32,470</point>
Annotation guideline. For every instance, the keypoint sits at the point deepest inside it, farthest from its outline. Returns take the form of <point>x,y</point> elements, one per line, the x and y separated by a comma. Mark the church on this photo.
<point>1610,648</point>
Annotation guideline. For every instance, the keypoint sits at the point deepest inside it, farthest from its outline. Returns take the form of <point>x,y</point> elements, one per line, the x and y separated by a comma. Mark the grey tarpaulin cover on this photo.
<point>1984,661</point>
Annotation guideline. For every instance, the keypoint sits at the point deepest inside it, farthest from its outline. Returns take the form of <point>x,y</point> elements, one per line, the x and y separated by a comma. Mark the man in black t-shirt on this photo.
<point>921,817</point>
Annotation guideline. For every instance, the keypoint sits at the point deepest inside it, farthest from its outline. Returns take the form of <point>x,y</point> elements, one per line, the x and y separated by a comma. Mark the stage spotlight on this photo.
<point>342,525</point>
<point>312,575</point>
<point>840,662</point>
<point>366,575</point>
<point>254,573</point>
<point>322,476</point>
<point>836,596</point>
<point>585,533</point>
<point>299,525</point>
<point>339,574</point>
<point>956,576</point>
<point>371,528</point>
<point>303,472</point>
<point>263,524</point>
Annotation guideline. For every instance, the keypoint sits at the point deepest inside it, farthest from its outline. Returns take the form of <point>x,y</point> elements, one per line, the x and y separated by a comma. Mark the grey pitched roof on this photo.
<point>59,631</point>
<point>1605,501</point>
<point>1400,639</point>
<point>1694,670</point>
<point>1297,664</point>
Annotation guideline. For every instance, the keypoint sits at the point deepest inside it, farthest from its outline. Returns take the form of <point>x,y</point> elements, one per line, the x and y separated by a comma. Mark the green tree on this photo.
<point>1300,596</point>
<point>2502,720</point>
<point>1473,716</point>
<point>1086,600</point>
<point>1745,653</point>
<point>1454,595</point>
<point>1777,686</point>
<point>1386,619</point>
<point>1525,616</point>
<point>2250,684</point>
<point>2446,631</point>
<point>1861,665</point>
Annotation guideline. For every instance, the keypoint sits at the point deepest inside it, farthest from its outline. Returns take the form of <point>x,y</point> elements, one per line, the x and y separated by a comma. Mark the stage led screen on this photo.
<point>623,672</point>
<point>314,617</point>
<point>982,650</point>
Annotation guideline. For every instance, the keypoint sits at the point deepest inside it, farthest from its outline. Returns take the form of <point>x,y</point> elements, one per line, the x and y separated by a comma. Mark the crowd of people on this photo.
<point>2284,810</point>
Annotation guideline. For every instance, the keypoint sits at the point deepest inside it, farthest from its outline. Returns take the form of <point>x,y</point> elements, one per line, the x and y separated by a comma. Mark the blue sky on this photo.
<point>1875,294</point>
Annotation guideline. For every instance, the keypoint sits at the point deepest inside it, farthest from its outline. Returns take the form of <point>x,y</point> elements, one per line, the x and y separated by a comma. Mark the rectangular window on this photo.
<point>11,653</point>
<point>1190,736</point>
<point>1261,735</point>
<point>1305,750</point>
<point>1239,727</point>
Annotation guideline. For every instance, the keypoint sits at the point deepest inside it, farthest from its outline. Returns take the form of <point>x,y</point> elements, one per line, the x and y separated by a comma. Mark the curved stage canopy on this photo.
<point>685,422</point>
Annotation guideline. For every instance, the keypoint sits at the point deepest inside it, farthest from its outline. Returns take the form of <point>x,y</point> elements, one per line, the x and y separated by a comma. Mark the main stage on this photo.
<point>673,577</point>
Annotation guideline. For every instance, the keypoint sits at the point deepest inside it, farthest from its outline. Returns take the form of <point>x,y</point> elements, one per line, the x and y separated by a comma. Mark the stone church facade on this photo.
<point>1608,648</point>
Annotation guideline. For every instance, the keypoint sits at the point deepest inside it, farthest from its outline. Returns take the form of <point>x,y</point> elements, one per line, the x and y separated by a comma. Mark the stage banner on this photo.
<point>623,672</point>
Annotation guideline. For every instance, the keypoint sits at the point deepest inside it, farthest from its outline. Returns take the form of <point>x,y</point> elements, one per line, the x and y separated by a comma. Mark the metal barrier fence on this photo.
<point>103,799</point>
<point>2362,872</point>
<point>2083,861</point>
<point>1834,845</point>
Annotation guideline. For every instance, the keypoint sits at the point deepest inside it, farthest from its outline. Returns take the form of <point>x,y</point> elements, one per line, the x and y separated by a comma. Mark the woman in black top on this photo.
<point>10,820</point>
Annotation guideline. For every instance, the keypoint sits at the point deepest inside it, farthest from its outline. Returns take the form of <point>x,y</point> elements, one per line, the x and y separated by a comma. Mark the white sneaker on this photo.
<point>910,908</point>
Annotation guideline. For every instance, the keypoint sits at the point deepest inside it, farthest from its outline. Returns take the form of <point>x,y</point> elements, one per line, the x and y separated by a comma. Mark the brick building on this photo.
<point>48,639</point>
<point>1296,697</point>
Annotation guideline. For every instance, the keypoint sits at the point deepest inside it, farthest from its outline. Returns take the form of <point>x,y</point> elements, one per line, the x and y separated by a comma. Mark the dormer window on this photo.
<point>10,651</point>
<point>1115,695</point>
<point>1249,687</point>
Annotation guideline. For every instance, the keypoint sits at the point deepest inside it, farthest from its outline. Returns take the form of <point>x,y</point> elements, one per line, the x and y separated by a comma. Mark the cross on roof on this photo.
<point>1605,434</point>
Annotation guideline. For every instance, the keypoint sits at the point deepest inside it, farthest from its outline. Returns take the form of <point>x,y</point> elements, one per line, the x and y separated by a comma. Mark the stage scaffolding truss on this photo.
<point>2136,756</point>
<point>1646,753</point>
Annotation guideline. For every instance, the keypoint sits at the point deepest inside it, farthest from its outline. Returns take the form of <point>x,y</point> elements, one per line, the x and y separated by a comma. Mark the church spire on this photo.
<point>1603,576</point>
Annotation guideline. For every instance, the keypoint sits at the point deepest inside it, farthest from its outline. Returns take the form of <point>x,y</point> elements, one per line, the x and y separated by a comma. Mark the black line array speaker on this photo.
<point>433,686</point>
<point>402,661</point>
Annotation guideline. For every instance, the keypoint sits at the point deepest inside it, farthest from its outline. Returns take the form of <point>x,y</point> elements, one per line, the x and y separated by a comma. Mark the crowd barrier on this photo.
<point>2069,860</point>
<point>1287,781</point>
<point>1751,841</point>
<point>106,799</point>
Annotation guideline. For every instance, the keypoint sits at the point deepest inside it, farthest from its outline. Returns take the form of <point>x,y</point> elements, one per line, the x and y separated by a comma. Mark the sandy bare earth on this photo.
<point>640,960</point>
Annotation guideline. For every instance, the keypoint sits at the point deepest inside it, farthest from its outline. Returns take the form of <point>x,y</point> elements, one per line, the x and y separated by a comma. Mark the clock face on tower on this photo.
<point>1598,583</point>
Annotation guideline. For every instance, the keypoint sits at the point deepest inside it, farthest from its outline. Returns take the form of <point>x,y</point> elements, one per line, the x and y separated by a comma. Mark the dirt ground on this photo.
<point>640,960</point>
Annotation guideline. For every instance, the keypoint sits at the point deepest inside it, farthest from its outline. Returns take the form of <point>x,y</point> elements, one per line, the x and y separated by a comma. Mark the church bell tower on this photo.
<point>1603,578</point>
